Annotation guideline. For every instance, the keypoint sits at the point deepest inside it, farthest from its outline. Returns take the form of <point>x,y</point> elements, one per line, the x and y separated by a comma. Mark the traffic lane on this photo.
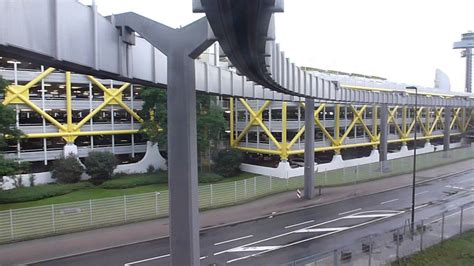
<point>302,235</point>
<point>442,207</point>
<point>115,256</point>
<point>263,228</point>
<point>349,237</point>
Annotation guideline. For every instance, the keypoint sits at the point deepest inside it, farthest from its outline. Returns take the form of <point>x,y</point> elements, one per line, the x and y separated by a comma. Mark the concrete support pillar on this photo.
<point>447,128</point>
<point>70,149</point>
<point>182,160</point>
<point>383,145</point>
<point>309,149</point>
<point>181,46</point>
<point>468,54</point>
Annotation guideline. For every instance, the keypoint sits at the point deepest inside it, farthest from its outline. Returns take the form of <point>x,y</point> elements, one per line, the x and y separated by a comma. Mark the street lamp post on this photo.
<point>412,225</point>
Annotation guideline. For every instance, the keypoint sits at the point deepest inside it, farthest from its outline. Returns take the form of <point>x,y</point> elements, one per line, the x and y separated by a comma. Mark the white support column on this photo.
<point>383,145</point>
<point>17,110</point>
<point>269,121</point>
<point>91,123</point>
<point>45,143</point>
<point>132,120</point>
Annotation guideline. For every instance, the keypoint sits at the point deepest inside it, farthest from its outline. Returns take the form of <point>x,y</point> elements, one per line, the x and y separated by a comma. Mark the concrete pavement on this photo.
<point>76,243</point>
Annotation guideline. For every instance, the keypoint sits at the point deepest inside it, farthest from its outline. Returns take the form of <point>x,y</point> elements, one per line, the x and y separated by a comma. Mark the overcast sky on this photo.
<point>403,40</point>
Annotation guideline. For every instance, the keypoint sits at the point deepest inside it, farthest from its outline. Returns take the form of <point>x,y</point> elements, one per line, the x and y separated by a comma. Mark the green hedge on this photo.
<point>39,192</point>
<point>159,177</point>
<point>209,178</point>
<point>130,181</point>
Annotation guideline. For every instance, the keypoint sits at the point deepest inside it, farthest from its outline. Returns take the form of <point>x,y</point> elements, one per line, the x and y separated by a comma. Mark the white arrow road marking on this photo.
<point>317,230</point>
<point>420,193</point>
<point>312,238</point>
<point>421,206</point>
<point>455,187</point>
<point>145,260</point>
<point>293,225</point>
<point>232,240</point>
<point>368,216</point>
<point>250,249</point>
<point>342,213</point>
<point>154,258</point>
<point>388,201</point>
<point>379,215</point>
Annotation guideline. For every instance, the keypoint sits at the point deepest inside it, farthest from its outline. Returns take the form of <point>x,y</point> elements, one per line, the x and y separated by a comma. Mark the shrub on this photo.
<point>130,181</point>
<point>67,169</point>
<point>100,166</point>
<point>209,178</point>
<point>32,177</point>
<point>10,167</point>
<point>39,192</point>
<point>150,169</point>
<point>227,162</point>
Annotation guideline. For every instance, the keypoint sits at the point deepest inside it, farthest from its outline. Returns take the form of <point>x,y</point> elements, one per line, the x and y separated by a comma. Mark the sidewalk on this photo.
<point>76,243</point>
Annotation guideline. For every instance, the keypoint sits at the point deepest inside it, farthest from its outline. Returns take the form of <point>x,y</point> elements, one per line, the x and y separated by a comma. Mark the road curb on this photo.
<point>255,218</point>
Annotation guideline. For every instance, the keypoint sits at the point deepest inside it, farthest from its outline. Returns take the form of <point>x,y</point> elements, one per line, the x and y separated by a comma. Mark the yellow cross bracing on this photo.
<point>433,118</point>
<point>19,94</point>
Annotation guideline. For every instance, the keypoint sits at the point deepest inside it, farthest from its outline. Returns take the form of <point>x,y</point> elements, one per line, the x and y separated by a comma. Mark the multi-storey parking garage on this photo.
<point>273,132</point>
<point>56,107</point>
<point>268,131</point>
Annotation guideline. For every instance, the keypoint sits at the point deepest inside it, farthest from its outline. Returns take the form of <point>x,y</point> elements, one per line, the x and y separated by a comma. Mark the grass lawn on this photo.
<point>456,251</point>
<point>99,192</point>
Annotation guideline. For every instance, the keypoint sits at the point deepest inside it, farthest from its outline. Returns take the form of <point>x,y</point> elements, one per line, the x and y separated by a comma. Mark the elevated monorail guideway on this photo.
<point>132,48</point>
<point>245,31</point>
<point>68,35</point>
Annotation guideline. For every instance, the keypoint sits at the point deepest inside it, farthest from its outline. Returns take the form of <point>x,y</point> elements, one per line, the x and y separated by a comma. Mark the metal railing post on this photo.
<point>12,231</point>
<point>357,173</point>
<point>235,191</point>
<point>271,184</point>
<point>157,206</point>
<point>336,261</point>
<point>422,234</point>
<point>125,207</point>
<point>460,220</point>
<point>442,228</point>
<point>255,186</point>
<point>210,187</point>
<point>370,250</point>
<point>398,245</point>
<point>53,221</point>
<point>245,188</point>
<point>90,212</point>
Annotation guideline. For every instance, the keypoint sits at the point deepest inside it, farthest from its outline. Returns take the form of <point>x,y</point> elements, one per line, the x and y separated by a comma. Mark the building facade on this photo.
<point>272,133</point>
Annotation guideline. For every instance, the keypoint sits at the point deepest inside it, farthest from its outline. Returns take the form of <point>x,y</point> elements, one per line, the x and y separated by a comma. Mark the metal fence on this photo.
<point>395,245</point>
<point>26,223</point>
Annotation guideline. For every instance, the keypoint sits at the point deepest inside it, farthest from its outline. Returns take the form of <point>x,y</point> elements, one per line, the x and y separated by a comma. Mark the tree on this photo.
<point>227,162</point>
<point>210,121</point>
<point>155,115</point>
<point>7,119</point>
<point>8,130</point>
<point>100,165</point>
<point>67,169</point>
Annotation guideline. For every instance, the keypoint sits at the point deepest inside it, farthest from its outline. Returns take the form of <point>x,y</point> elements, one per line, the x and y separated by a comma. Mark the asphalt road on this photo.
<point>281,238</point>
